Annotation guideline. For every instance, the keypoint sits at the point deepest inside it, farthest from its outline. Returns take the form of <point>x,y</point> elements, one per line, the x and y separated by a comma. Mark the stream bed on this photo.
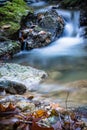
<point>65,61</point>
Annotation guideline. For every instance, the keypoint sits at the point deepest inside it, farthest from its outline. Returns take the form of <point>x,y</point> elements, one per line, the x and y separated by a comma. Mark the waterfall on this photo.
<point>75,15</point>
<point>71,23</point>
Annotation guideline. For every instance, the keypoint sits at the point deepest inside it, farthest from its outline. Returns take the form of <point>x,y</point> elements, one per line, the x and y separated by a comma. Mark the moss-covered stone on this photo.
<point>8,49</point>
<point>11,13</point>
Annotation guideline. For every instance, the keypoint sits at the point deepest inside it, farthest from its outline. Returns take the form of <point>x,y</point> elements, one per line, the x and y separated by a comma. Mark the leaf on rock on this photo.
<point>36,127</point>
<point>10,107</point>
<point>2,108</point>
<point>40,113</point>
<point>56,106</point>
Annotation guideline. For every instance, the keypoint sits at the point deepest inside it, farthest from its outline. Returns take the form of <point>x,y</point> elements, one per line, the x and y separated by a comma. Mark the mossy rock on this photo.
<point>11,13</point>
<point>8,49</point>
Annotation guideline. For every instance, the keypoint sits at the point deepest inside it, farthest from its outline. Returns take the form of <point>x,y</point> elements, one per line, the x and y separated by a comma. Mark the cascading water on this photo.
<point>64,60</point>
<point>36,3</point>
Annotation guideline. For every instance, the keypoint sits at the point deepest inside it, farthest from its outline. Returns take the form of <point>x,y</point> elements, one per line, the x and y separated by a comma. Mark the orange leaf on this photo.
<point>40,113</point>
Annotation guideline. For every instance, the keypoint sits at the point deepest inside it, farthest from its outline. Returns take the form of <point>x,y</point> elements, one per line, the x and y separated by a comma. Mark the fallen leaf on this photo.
<point>54,105</point>
<point>2,108</point>
<point>40,113</point>
<point>10,107</point>
<point>36,127</point>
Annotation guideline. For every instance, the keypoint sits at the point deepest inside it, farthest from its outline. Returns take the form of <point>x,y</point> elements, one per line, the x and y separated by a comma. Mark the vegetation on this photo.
<point>11,14</point>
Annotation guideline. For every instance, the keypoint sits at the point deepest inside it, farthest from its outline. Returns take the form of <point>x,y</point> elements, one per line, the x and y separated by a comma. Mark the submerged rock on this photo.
<point>79,83</point>
<point>38,30</point>
<point>17,78</point>
<point>55,75</point>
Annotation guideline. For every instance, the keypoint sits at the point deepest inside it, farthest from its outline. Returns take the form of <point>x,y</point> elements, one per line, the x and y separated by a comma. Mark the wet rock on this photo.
<point>12,98</point>
<point>83,23</point>
<point>10,22</point>
<point>36,30</point>
<point>83,18</point>
<point>83,32</point>
<point>18,77</point>
<point>2,91</point>
<point>52,22</point>
<point>23,105</point>
<point>39,39</point>
<point>8,49</point>
<point>12,87</point>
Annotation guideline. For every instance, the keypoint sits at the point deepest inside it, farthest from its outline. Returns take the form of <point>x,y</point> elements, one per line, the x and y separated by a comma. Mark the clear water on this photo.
<point>65,60</point>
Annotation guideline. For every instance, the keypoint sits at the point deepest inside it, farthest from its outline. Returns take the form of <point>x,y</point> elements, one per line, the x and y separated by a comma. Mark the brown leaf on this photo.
<point>6,26</point>
<point>27,127</point>
<point>10,107</point>
<point>30,97</point>
<point>2,108</point>
<point>36,127</point>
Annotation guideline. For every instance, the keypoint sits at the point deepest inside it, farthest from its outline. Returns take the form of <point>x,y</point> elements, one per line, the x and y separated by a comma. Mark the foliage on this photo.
<point>41,119</point>
<point>11,13</point>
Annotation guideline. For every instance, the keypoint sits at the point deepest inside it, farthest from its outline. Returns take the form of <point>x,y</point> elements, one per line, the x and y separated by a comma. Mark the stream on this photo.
<point>65,61</point>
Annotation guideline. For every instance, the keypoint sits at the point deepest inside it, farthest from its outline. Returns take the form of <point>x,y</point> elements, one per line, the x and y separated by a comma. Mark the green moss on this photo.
<point>11,14</point>
<point>37,28</point>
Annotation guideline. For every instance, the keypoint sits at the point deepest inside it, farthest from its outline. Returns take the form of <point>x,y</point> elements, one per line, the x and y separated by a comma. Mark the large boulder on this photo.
<point>38,30</point>
<point>16,79</point>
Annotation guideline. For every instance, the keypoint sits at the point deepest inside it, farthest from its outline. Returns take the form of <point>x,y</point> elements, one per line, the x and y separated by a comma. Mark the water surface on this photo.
<point>65,60</point>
